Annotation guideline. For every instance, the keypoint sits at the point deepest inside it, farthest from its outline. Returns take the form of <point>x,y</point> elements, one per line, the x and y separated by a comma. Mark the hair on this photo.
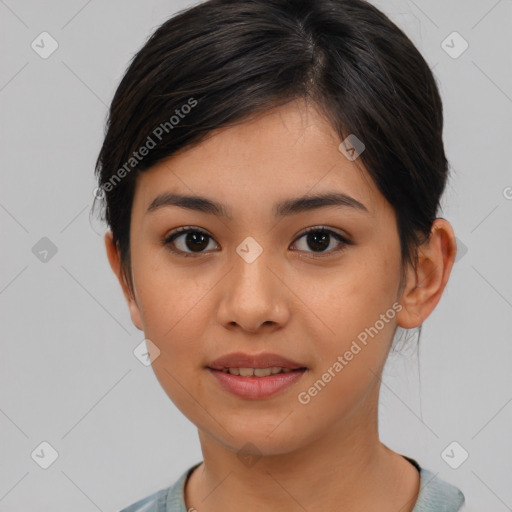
<point>222,62</point>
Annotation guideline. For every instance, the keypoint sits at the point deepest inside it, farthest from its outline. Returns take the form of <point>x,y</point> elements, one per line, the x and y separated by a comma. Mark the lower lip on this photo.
<point>256,387</point>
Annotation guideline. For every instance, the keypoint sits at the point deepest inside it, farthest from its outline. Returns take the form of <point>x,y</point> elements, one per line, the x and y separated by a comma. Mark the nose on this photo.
<point>253,296</point>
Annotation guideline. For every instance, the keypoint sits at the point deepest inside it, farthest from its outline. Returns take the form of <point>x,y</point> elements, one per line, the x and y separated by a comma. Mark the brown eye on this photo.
<point>188,241</point>
<point>320,239</point>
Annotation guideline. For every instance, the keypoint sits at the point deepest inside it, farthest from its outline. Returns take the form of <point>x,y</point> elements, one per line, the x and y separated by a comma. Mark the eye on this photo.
<point>320,239</point>
<point>188,238</point>
<point>191,241</point>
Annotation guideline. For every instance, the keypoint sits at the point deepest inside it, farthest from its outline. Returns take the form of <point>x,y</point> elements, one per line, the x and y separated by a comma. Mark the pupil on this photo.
<point>317,240</point>
<point>196,241</point>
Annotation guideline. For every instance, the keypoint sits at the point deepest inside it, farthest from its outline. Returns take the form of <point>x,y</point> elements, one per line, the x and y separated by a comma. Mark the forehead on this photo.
<point>289,151</point>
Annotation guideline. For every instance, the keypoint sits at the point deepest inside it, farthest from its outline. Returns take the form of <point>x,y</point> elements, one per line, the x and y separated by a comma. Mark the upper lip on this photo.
<point>264,360</point>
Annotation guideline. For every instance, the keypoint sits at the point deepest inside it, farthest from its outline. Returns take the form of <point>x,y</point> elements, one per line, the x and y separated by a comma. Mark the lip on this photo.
<point>256,387</point>
<point>263,360</point>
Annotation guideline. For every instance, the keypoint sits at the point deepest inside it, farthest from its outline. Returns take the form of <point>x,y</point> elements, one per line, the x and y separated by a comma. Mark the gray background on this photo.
<point>68,373</point>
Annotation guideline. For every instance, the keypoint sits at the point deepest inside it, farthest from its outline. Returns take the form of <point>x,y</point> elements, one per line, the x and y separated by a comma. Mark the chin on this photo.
<point>257,443</point>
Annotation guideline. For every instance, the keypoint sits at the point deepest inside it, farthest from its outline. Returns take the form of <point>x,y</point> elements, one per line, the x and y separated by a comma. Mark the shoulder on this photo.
<point>152,503</point>
<point>437,495</point>
<point>169,499</point>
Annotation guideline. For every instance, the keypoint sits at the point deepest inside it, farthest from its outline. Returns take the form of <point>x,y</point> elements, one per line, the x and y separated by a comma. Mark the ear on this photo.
<point>425,284</point>
<point>114,257</point>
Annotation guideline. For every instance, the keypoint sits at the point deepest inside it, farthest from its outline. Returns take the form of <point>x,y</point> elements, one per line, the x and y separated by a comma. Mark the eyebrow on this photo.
<point>282,209</point>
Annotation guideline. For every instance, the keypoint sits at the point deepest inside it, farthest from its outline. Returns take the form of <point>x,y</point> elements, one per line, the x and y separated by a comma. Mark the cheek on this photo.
<point>173,315</point>
<point>171,303</point>
<point>350,313</point>
<point>347,300</point>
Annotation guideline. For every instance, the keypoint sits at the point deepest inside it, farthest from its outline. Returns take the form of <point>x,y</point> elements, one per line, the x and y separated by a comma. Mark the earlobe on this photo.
<point>114,259</point>
<point>425,283</point>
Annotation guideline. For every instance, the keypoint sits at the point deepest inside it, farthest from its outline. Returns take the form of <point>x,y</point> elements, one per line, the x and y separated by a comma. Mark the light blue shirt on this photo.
<point>435,495</point>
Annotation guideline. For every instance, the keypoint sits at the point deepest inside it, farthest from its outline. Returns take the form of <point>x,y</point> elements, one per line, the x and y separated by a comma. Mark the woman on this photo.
<point>271,175</point>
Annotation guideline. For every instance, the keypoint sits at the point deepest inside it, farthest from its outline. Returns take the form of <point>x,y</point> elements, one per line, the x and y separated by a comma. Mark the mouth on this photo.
<point>255,376</point>
<point>256,383</point>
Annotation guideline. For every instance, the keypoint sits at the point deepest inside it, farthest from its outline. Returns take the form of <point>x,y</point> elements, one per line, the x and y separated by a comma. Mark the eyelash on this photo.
<point>168,241</point>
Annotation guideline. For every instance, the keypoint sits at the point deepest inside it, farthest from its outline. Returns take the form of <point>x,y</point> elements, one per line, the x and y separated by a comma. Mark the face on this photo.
<point>253,282</point>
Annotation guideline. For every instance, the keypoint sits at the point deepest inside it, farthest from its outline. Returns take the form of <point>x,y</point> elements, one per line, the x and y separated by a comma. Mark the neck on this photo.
<point>347,468</point>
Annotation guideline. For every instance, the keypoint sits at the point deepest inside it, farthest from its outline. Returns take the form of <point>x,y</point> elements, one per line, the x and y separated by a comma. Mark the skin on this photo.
<point>325,455</point>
